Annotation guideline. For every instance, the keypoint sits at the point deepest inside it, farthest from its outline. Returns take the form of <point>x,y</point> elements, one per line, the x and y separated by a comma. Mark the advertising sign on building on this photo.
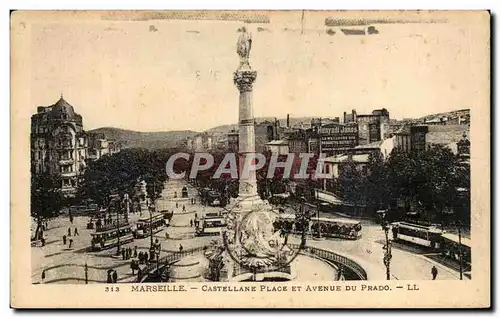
<point>337,137</point>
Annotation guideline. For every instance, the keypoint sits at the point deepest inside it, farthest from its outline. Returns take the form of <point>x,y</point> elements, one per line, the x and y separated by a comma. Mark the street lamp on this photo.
<point>317,213</point>
<point>117,229</point>
<point>460,255</point>
<point>387,247</point>
<point>150,208</point>
<point>86,273</point>
<point>158,249</point>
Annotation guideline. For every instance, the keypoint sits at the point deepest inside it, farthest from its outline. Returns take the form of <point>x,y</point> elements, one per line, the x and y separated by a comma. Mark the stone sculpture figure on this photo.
<point>243,46</point>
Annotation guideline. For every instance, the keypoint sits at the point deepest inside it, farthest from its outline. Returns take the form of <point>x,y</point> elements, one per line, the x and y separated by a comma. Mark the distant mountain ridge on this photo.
<point>149,140</point>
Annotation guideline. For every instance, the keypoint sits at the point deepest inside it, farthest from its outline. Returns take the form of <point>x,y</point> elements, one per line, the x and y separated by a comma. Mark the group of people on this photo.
<point>128,254</point>
<point>144,257</point>
<point>183,206</point>
<point>112,276</point>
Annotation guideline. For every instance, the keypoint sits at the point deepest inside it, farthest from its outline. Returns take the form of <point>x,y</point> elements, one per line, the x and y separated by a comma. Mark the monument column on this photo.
<point>244,80</point>
<point>244,77</point>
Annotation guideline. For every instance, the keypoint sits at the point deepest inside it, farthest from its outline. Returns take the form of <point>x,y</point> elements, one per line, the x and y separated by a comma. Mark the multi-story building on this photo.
<point>265,132</point>
<point>60,146</point>
<point>373,127</point>
<point>201,142</point>
<point>350,118</point>
<point>279,147</point>
<point>297,141</point>
<point>420,137</point>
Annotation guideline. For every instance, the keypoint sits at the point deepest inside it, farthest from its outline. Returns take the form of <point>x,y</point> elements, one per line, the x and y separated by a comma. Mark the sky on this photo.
<point>158,75</point>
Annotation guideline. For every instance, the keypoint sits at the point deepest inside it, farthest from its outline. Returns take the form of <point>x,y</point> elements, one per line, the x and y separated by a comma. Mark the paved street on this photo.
<point>64,265</point>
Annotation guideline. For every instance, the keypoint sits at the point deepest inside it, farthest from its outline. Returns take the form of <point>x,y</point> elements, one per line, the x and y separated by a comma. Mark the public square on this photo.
<point>66,266</point>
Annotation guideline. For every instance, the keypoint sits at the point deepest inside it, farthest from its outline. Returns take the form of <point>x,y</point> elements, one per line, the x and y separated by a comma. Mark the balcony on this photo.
<point>68,174</point>
<point>66,161</point>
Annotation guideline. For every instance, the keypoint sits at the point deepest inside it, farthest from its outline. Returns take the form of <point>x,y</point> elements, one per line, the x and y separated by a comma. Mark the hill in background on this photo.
<point>294,121</point>
<point>170,139</point>
<point>148,140</point>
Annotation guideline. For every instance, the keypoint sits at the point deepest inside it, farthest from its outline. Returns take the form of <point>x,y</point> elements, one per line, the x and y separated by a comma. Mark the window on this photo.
<point>364,170</point>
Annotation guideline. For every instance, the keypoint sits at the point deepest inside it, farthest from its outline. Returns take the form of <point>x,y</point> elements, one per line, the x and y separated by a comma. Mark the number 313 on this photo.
<point>112,289</point>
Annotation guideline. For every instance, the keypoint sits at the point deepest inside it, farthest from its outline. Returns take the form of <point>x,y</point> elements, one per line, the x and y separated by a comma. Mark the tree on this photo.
<point>377,191</point>
<point>427,178</point>
<point>46,199</point>
<point>350,183</point>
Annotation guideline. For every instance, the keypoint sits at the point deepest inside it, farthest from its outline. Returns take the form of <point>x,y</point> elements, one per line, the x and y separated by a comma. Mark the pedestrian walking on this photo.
<point>123,254</point>
<point>176,205</point>
<point>109,280</point>
<point>76,232</point>
<point>43,241</point>
<point>183,208</point>
<point>70,243</point>
<point>64,239</point>
<point>129,252</point>
<point>132,266</point>
<point>191,222</point>
<point>43,275</point>
<point>69,231</point>
<point>166,235</point>
<point>71,219</point>
<point>180,248</point>
<point>135,251</point>
<point>434,272</point>
<point>115,276</point>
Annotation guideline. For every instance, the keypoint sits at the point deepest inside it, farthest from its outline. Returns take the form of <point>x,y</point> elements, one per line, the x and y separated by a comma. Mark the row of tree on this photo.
<point>119,174</point>
<point>114,174</point>
<point>433,182</point>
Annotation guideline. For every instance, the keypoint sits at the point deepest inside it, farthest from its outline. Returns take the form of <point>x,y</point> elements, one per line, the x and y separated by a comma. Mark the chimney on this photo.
<point>288,120</point>
<point>345,121</point>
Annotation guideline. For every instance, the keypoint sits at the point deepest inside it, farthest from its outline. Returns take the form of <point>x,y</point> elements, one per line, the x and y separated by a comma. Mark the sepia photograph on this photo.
<point>250,158</point>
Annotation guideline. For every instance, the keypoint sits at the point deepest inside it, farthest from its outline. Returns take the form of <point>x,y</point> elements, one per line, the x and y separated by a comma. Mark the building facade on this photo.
<point>373,127</point>
<point>60,146</point>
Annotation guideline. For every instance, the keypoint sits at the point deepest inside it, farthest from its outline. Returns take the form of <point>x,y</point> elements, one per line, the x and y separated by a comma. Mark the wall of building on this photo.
<point>60,146</point>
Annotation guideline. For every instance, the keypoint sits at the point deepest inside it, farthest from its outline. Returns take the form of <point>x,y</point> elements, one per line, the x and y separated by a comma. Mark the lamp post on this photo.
<point>117,229</point>
<point>460,257</point>
<point>151,207</point>
<point>127,205</point>
<point>317,213</point>
<point>387,246</point>
<point>86,273</point>
<point>158,249</point>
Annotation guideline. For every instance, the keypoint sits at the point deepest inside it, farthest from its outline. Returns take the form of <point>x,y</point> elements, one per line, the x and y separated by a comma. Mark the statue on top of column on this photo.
<point>244,45</point>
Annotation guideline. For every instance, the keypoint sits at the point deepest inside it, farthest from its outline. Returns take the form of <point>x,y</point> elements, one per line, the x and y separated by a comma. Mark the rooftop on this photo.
<point>375,144</point>
<point>278,143</point>
<point>342,158</point>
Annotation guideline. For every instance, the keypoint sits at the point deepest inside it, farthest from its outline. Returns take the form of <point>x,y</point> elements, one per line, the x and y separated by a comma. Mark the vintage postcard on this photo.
<point>250,159</point>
